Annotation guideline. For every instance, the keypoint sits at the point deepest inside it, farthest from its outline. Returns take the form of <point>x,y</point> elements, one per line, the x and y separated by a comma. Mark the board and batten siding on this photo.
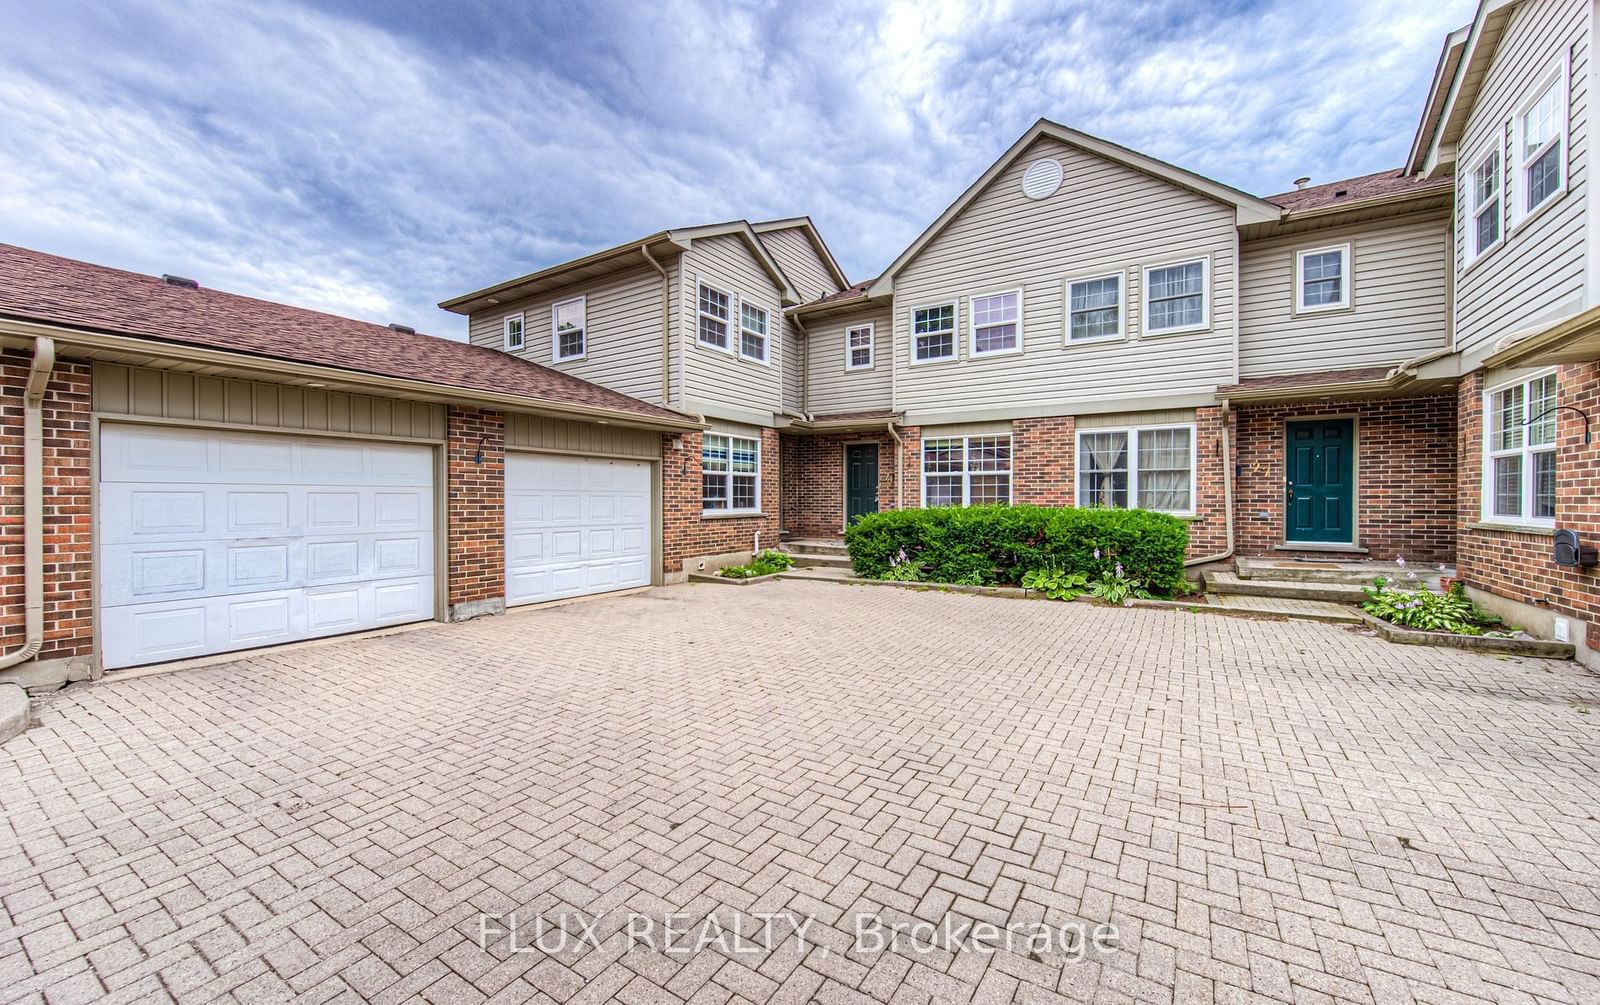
<point>622,330</point>
<point>187,397</point>
<point>1105,217</point>
<point>1537,272</point>
<point>836,389</point>
<point>712,376</point>
<point>800,262</point>
<point>567,436</point>
<point>1398,307</point>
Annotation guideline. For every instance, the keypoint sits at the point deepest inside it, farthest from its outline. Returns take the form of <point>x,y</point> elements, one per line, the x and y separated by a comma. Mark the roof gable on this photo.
<point>1465,78</point>
<point>812,235</point>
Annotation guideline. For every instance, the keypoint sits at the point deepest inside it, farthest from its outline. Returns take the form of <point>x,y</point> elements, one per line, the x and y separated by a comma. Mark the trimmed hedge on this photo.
<point>988,545</point>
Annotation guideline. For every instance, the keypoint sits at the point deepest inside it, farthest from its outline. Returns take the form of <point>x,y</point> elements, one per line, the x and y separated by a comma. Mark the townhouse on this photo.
<point>1399,364</point>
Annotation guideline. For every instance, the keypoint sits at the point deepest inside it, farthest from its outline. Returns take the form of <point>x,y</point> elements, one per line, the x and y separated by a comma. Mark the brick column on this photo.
<point>1042,460</point>
<point>911,436</point>
<point>1208,533</point>
<point>475,451</point>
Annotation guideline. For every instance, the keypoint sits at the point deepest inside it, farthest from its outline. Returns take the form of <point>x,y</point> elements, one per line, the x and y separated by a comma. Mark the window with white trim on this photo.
<point>1520,468</point>
<point>1176,297</point>
<point>1094,308</point>
<point>1483,204</point>
<point>996,323</point>
<point>858,347</point>
<point>715,308</point>
<point>511,330</point>
<point>966,470</point>
<point>1157,473</point>
<point>567,328</point>
<point>1539,145</point>
<point>1322,279</point>
<point>933,333</point>
<point>752,332</point>
<point>730,474</point>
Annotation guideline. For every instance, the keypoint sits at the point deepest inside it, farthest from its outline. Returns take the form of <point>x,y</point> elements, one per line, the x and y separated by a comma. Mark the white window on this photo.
<point>996,323</point>
<point>966,470</point>
<point>511,329</point>
<point>730,474</point>
<point>858,347</point>
<point>1094,308</point>
<point>1176,297</point>
<point>566,329</point>
<point>1322,279</point>
<point>1483,204</point>
<point>1539,145</point>
<point>715,310</point>
<point>752,332</point>
<point>1520,466</point>
<point>1151,467</point>
<point>933,333</point>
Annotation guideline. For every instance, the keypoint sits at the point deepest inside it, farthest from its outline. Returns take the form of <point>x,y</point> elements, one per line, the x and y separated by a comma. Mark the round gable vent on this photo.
<point>1042,178</point>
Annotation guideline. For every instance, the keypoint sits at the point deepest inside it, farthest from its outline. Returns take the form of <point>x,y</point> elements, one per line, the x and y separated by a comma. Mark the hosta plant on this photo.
<point>764,564</point>
<point>1425,610</point>
<point>1116,587</point>
<point>1057,584</point>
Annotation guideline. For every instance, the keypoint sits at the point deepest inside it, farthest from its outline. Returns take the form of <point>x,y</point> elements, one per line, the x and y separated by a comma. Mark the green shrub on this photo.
<point>764,564</point>
<point>1425,610</point>
<point>1001,544</point>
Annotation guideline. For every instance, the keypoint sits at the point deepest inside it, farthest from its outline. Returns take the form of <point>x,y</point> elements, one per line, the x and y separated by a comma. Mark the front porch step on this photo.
<point>1332,571</point>
<point>1284,607</point>
<point>1226,583</point>
<point>814,560</point>
<point>814,546</point>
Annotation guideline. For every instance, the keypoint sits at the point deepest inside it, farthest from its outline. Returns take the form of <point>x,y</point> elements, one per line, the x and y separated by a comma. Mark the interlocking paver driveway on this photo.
<point>1267,811</point>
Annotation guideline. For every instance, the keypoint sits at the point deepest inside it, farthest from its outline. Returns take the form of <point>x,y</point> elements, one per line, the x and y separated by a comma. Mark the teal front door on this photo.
<point>860,480</point>
<point>1321,481</point>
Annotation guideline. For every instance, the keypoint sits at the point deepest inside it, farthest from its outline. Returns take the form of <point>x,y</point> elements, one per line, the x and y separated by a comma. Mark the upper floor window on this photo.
<point>566,329</point>
<point>858,347</point>
<point>1322,278</point>
<point>715,310</point>
<point>996,323</point>
<point>966,470</point>
<point>1152,467</point>
<point>730,473</point>
<point>511,329</point>
<point>752,332</point>
<point>1539,140</point>
<point>1094,308</point>
<point>1483,195</point>
<point>1520,473</point>
<point>1177,297</point>
<point>933,333</point>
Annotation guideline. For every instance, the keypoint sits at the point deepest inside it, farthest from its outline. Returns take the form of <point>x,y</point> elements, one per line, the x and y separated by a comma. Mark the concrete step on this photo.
<point>1334,571</point>
<point>1285,589</point>
<point>814,546</point>
<point>1283,607</point>
<point>810,560</point>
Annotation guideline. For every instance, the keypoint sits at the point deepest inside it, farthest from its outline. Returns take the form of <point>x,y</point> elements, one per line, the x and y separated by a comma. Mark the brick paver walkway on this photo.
<point>1266,811</point>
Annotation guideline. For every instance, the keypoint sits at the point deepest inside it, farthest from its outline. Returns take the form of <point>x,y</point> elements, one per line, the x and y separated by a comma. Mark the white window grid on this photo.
<point>1096,309</point>
<point>995,320</point>
<point>966,470</point>
<point>513,329</point>
<point>753,331</point>
<point>1539,148</point>
<point>569,329</point>
<point>933,333</point>
<point>860,349</point>
<point>1485,228</point>
<point>1323,279</point>
<point>1519,442</point>
<point>1177,297</point>
<point>730,474</point>
<point>714,314</point>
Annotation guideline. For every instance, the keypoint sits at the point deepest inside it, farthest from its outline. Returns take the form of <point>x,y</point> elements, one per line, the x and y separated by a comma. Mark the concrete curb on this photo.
<point>702,577</point>
<point>1537,648</point>
<point>14,711</point>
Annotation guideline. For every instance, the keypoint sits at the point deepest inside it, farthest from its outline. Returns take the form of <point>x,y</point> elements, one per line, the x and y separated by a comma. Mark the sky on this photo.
<point>373,157</point>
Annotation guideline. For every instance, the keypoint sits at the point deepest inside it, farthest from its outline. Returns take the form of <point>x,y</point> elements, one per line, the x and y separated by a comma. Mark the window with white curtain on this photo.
<point>1153,466</point>
<point>730,473</point>
<point>1094,308</point>
<point>1520,466</point>
<point>966,470</point>
<point>1176,297</point>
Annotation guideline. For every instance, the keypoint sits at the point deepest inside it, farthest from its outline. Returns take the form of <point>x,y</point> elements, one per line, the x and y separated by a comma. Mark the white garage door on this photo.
<point>575,525</point>
<point>213,541</point>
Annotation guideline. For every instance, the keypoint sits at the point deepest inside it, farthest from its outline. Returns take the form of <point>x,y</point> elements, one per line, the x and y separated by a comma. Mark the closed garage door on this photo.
<point>574,526</point>
<point>213,541</point>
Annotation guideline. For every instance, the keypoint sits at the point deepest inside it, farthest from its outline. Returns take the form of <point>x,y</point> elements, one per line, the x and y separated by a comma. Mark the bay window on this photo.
<point>966,470</point>
<point>730,474</point>
<point>1520,449</point>
<point>1146,467</point>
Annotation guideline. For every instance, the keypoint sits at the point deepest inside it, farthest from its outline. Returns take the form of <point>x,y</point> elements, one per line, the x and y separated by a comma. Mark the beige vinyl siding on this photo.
<point>187,397</point>
<point>996,428</point>
<point>714,377</point>
<point>800,262</point>
<point>1125,420</point>
<point>1104,218</point>
<point>537,432</point>
<point>1398,308</point>
<point>1538,270</point>
<point>793,368</point>
<point>622,331</point>
<point>832,387</point>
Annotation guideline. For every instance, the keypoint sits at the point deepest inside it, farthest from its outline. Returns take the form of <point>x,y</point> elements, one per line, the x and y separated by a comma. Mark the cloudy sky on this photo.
<point>372,157</point>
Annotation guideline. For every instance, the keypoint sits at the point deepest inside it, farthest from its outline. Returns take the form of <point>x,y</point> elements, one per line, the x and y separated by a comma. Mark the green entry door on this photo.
<point>1321,481</point>
<point>860,480</point>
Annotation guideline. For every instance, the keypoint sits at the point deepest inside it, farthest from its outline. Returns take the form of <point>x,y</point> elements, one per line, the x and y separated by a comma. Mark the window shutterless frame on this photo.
<point>967,470</point>
<point>1131,436</point>
<point>569,329</point>
<point>1324,279</point>
<point>755,330</point>
<point>1519,457</point>
<point>946,334</point>
<point>1085,300</point>
<point>512,330</point>
<point>714,306</point>
<point>988,317</point>
<point>1163,296</point>
<point>1481,191</point>
<point>1540,151</point>
<point>860,347</point>
<point>730,474</point>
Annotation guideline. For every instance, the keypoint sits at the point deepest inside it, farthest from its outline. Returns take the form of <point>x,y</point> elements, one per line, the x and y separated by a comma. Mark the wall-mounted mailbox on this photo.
<point>1569,551</point>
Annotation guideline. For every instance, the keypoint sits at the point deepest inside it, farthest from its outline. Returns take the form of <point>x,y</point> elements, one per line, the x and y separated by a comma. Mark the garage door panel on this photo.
<point>575,526</point>
<point>143,512</point>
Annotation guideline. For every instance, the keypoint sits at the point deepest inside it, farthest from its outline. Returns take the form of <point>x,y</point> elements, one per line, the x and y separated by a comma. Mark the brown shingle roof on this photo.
<point>1353,190</point>
<point>874,413</point>
<point>855,292</point>
<point>1309,380</point>
<point>45,288</point>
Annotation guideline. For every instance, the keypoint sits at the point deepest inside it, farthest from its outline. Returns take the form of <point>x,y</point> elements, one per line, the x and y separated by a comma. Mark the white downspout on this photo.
<point>1227,495</point>
<point>899,466</point>
<point>44,361</point>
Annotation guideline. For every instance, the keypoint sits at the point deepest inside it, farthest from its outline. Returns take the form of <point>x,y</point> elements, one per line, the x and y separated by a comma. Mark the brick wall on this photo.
<point>1517,565</point>
<point>475,500</point>
<point>1208,531</point>
<point>69,599</point>
<point>685,533</point>
<point>1406,475</point>
<point>813,480</point>
<point>1042,460</point>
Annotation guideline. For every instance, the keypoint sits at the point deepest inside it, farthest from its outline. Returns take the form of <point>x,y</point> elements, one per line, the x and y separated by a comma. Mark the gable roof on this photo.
<point>1455,45</point>
<point>1353,191</point>
<point>804,224</point>
<point>1441,128</point>
<point>1248,208</point>
<point>64,292</point>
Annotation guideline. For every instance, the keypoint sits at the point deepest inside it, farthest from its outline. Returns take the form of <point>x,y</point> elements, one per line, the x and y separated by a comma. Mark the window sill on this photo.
<point>1072,343</point>
<point>1300,311</point>
<point>722,514</point>
<point>570,359</point>
<point>1492,527</point>
<point>1332,548</point>
<point>1533,214</point>
<point>992,353</point>
<point>935,362</point>
<point>860,369</point>
<point>1186,330</point>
